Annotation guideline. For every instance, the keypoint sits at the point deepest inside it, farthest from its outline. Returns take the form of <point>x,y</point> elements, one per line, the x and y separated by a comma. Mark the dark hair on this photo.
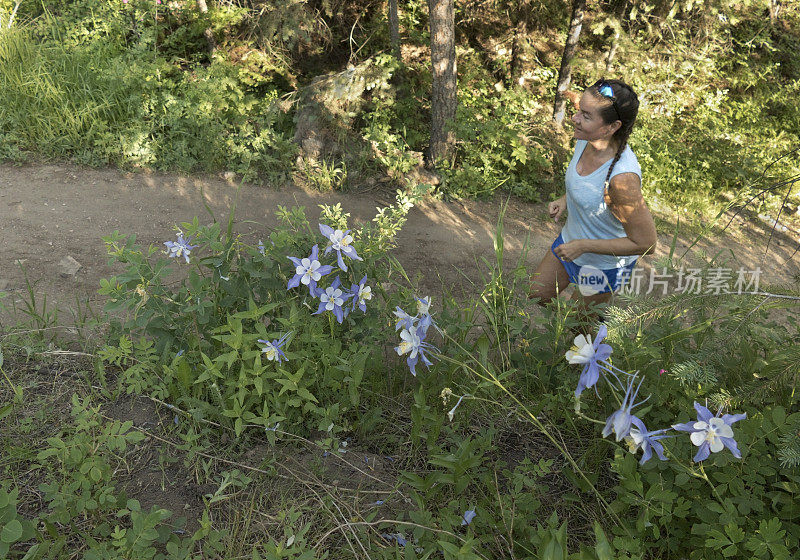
<point>624,108</point>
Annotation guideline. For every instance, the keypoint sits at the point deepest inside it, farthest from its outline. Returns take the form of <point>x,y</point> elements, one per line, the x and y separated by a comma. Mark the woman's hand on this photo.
<point>571,250</point>
<point>557,207</point>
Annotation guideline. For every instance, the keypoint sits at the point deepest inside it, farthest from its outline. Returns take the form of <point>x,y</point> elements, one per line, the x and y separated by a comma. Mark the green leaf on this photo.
<point>12,532</point>
<point>96,474</point>
<point>778,415</point>
<point>602,548</point>
<point>5,499</point>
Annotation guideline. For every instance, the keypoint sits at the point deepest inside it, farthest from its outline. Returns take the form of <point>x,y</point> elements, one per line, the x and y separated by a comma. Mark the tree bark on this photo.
<point>394,28</point>
<point>565,72</point>
<point>444,95</point>
<point>521,16</point>
<point>516,49</point>
<point>774,10</point>
<point>207,33</point>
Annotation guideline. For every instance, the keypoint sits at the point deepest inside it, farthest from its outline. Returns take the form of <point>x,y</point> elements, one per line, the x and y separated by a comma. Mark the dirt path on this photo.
<point>49,212</point>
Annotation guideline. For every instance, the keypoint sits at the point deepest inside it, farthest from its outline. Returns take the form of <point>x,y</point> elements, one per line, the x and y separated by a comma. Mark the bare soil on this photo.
<point>49,212</point>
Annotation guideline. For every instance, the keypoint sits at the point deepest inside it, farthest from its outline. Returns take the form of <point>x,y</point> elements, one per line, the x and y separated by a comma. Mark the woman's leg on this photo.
<point>549,279</point>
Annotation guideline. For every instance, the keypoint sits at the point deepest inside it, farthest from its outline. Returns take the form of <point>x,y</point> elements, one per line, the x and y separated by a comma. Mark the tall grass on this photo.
<point>58,101</point>
<point>98,104</point>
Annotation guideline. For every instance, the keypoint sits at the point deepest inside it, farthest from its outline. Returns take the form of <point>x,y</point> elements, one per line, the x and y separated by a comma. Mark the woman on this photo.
<point>608,223</point>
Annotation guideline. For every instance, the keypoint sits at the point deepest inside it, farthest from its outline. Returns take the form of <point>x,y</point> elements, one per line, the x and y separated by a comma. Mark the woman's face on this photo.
<point>588,123</point>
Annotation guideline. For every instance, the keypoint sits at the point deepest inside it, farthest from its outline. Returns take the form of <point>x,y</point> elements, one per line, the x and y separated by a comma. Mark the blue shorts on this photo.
<point>591,280</point>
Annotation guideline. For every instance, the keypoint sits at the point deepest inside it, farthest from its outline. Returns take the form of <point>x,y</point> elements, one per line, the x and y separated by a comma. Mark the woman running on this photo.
<point>608,223</point>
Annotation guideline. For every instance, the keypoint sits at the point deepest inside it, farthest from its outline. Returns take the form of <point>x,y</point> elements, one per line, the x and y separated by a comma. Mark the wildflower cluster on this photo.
<point>309,271</point>
<point>709,433</point>
<point>337,298</point>
<point>413,331</point>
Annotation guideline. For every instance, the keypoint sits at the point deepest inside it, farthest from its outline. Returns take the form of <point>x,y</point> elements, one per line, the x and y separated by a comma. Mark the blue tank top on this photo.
<point>588,216</point>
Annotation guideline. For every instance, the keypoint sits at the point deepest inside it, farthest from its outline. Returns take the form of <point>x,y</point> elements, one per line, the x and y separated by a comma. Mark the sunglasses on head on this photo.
<point>605,89</point>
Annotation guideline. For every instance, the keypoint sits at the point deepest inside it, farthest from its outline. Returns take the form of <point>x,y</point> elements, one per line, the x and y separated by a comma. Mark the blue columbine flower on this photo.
<point>412,342</point>
<point>452,411</point>
<point>273,351</point>
<point>398,537</point>
<point>711,433</point>
<point>361,293</point>
<point>308,271</point>
<point>404,320</point>
<point>332,299</point>
<point>180,248</point>
<point>341,242</point>
<point>588,352</point>
<point>640,438</point>
<point>468,516</point>
<point>620,421</point>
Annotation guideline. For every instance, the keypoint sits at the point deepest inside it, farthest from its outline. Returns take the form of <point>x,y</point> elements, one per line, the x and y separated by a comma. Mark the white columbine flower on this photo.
<point>711,432</point>
<point>423,306</point>
<point>582,351</point>
<point>339,240</point>
<point>409,342</point>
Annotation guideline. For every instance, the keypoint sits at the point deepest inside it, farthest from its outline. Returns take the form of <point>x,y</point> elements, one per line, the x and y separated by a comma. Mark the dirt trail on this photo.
<point>49,212</point>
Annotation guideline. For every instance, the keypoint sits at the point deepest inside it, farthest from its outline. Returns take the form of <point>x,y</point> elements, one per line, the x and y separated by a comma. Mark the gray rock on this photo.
<point>328,106</point>
<point>69,267</point>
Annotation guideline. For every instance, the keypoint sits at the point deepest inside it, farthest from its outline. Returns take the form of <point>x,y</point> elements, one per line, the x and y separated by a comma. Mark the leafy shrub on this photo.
<point>99,105</point>
<point>211,332</point>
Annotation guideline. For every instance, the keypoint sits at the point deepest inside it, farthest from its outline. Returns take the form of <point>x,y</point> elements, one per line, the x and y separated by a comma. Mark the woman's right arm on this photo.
<point>557,207</point>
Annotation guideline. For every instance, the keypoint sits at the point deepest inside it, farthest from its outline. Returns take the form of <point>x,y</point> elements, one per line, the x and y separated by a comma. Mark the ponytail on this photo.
<point>623,141</point>
<point>625,108</point>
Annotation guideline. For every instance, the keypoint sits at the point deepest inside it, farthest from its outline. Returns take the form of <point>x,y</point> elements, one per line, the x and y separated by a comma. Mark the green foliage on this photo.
<point>80,473</point>
<point>741,509</point>
<point>498,147</point>
<point>79,506</point>
<point>13,527</point>
<point>202,336</point>
<point>98,105</point>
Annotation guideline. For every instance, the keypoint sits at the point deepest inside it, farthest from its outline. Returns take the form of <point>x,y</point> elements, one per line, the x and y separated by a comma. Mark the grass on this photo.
<point>254,492</point>
<point>513,453</point>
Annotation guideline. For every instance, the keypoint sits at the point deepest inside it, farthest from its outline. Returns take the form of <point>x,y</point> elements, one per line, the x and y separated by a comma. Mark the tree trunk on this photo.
<point>774,10</point>
<point>208,33</point>
<point>565,72</point>
<point>516,49</point>
<point>521,15</point>
<point>394,28</point>
<point>612,52</point>
<point>444,94</point>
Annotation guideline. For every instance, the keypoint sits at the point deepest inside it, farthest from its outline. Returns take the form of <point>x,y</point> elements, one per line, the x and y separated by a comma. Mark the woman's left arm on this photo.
<point>626,202</point>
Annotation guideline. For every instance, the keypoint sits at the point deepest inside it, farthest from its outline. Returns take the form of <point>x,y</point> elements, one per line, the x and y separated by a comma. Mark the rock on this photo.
<point>420,176</point>
<point>69,267</point>
<point>313,146</point>
<point>328,106</point>
<point>229,176</point>
<point>3,284</point>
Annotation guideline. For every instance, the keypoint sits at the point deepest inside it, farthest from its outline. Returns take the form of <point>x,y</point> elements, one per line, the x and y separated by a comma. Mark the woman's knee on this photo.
<point>543,294</point>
